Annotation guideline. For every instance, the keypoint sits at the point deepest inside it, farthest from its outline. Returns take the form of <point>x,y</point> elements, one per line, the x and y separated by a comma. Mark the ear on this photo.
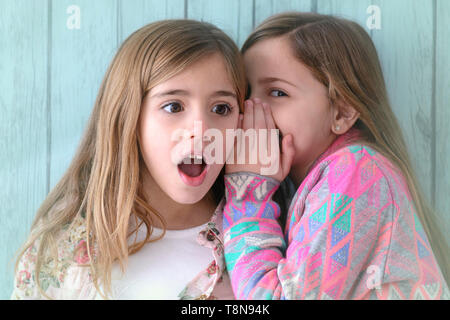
<point>344,117</point>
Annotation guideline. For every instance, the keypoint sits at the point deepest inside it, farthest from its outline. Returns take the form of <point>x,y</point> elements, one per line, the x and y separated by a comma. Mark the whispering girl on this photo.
<point>358,226</point>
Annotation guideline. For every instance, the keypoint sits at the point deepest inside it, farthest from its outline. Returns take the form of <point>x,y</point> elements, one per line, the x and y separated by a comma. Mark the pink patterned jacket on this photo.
<point>351,233</point>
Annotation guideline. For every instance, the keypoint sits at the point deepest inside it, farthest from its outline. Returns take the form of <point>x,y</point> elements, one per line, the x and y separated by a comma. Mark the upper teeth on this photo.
<point>197,159</point>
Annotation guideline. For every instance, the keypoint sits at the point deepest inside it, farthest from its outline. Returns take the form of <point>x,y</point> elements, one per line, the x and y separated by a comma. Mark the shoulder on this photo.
<point>55,274</point>
<point>355,158</point>
<point>358,166</point>
<point>361,175</point>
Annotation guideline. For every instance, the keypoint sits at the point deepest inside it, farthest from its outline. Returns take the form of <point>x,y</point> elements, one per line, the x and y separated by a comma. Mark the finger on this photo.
<point>247,122</point>
<point>260,121</point>
<point>268,116</point>
<point>271,129</point>
<point>269,123</point>
<point>240,121</point>
<point>238,142</point>
<point>287,154</point>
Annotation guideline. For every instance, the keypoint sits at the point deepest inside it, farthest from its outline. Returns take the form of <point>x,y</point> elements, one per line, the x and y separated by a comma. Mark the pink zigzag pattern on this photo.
<point>351,233</point>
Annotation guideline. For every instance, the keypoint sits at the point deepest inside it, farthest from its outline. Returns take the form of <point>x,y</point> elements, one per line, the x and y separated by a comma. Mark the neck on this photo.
<point>300,170</point>
<point>177,216</point>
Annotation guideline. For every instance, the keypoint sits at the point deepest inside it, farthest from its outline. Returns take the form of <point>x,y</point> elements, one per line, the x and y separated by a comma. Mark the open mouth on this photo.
<point>192,166</point>
<point>193,170</point>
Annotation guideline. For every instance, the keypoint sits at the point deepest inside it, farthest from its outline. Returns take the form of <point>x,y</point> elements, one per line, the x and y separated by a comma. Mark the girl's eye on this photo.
<point>173,107</point>
<point>277,93</point>
<point>221,109</point>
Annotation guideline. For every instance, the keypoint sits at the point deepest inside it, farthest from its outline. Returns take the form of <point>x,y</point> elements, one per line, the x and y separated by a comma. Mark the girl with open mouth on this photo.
<point>138,214</point>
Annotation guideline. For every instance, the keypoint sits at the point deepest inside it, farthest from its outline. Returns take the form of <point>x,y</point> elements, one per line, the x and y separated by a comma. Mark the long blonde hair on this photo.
<point>103,183</point>
<point>342,56</point>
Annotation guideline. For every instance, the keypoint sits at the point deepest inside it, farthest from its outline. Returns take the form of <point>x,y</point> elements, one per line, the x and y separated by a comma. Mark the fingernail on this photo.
<point>257,100</point>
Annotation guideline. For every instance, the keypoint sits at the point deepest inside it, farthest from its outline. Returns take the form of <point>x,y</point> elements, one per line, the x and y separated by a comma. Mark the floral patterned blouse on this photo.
<point>70,277</point>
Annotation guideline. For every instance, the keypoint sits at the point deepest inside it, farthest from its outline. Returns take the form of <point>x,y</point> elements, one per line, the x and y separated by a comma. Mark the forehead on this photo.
<point>274,58</point>
<point>276,52</point>
<point>207,76</point>
<point>211,69</point>
<point>212,66</point>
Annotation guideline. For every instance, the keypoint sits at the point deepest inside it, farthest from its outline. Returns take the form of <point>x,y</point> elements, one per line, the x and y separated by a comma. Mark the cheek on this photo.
<point>284,120</point>
<point>323,117</point>
<point>222,140</point>
<point>305,121</point>
<point>228,122</point>
<point>155,141</point>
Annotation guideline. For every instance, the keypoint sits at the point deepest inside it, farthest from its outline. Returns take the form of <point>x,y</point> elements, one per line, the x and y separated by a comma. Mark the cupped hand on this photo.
<point>257,147</point>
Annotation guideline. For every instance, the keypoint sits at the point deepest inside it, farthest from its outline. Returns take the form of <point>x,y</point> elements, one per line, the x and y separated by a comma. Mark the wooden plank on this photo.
<point>266,8</point>
<point>23,131</point>
<point>405,47</point>
<point>355,10</point>
<point>134,14</point>
<point>80,58</point>
<point>442,91</point>
<point>234,17</point>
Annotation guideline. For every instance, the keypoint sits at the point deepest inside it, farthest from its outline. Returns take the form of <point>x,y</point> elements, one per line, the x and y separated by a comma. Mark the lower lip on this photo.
<point>193,181</point>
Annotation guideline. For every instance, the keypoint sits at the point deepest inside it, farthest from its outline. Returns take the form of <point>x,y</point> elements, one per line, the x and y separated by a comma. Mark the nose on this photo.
<point>196,125</point>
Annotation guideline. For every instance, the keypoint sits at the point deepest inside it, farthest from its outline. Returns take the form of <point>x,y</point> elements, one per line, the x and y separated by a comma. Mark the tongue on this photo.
<point>192,170</point>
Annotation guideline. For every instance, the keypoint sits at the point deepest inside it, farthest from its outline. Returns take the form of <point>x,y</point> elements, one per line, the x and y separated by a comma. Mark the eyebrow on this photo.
<point>273,79</point>
<point>179,92</point>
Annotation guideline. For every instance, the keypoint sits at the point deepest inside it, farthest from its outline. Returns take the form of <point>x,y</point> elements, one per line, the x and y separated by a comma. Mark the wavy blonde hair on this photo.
<point>341,55</point>
<point>103,183</point>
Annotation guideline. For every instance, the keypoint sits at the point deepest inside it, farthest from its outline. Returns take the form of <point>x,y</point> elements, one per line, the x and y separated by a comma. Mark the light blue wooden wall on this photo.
<point>50,74</point>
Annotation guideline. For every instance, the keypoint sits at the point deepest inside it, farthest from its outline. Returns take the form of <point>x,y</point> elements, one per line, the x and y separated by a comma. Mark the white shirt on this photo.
<point>161,269</point>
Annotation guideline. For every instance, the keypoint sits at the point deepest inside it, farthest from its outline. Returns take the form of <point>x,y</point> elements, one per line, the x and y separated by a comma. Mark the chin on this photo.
<point>188,196</point>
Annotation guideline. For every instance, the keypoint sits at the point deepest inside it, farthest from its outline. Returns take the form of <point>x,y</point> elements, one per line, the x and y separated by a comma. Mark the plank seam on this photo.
<point>253,14</point>
<point>118,23</point>
<point>314,6</point>
<point>433,109</point>
<point>49,88</point>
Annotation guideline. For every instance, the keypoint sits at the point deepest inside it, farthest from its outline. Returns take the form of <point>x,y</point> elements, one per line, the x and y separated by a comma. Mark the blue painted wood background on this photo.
<point>50,74</point>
